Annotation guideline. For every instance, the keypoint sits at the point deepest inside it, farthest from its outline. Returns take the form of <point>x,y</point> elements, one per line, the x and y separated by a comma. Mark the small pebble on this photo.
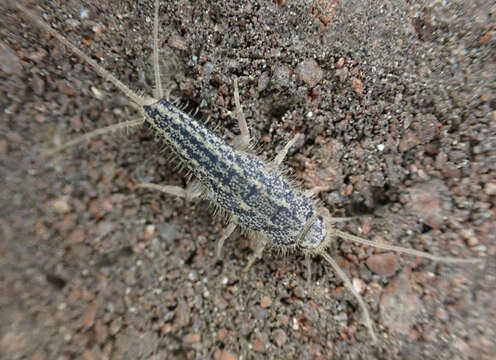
<point>359,285</point>
<point>490,189</point>
<point>226,355</point>
<point>469,236</point>
<point>383,264</point>
<point>221,335</point>
<point>4,146</point>
<point>357,85</point>
<point>9,62</point>
<point>192,338</point>
<point>299,292</point>
<point>280,337</point>
<point>61,205</point>
<point>309,72</point>
<point>265,302</point>
<point>177,42</point>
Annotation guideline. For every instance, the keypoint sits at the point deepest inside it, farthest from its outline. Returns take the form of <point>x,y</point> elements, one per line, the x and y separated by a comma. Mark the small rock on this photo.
<point>4,146</point>
<point>283,319</point>
<point>183,314</point>
<point>400,305</point>
<point>342,74</point>
<point>265,302</point>
<point>89,317</point>
<point>192,338</point>
<point>490,189</point>
<point>281,76</point>
<point>427,128</point>
<point>450,170</point>
<point>115,326</point>
<point>37,56</point>
<point>208,67</point>
<point>359,285</point>
<point>414,334</point>
<point>9,62</point>
<point>383,264</point>
<point>357,85</point>
<point>259,343</point>
<point>465,349</point>
<point>38,85</point>
<point>226,355</point>
<point>177,42</point>
<point>469,236</point>
<point>222,334</point>
<point>408,141</point>
<point>100,331</point>
<point>61,205</point>
<point>426,200</point>
<point>309,72</point>
<point>65,88</point>
<point>77,236</point>
<point>299,292</point>
<point>280,337</point>
<point>149,232</point>
<point>169,231</point>
<point>442,314</point>
<point>88,355</point>
<point>263,81</point>
<point>12,343</point>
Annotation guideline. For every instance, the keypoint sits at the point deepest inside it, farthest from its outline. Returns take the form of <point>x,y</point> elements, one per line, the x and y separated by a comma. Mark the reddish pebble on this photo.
<point>192,338</point>
<point>265,302</point>
<point>383,264</point>
<point>4,146</point>
<point>88,355</point>
<point>226,355</point>
<point>258,345</point>
<point>357,85</point>
<point>221,335</point>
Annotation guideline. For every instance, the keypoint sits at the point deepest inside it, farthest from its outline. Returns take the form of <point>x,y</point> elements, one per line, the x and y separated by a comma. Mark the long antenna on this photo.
<point>99,69</point>
<point>445,259</point>
<point>156,67</point>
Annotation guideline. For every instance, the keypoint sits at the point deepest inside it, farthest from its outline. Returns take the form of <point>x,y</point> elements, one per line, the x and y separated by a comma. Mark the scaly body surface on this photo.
<point>238,182</point>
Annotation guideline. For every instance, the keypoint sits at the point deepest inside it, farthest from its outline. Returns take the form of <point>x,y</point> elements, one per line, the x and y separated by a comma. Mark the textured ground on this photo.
<point>398,106</point>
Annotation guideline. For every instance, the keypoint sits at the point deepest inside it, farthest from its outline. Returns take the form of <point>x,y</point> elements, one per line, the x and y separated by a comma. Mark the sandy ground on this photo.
<point>397,104</point>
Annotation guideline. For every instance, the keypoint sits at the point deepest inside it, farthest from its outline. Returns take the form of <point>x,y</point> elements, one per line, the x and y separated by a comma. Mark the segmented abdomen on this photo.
<point>257,194</point>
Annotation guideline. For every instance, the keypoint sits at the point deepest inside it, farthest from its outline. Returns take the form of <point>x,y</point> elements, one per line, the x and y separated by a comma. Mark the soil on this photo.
<point>397,104</point>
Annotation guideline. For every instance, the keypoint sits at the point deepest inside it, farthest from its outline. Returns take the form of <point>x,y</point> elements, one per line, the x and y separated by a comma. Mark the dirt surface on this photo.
<point>397,104</point>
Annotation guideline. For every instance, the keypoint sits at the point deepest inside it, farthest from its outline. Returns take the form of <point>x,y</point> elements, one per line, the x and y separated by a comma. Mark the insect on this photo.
<point>255,195</point>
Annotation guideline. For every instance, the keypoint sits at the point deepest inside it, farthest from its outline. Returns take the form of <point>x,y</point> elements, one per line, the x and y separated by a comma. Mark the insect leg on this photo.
<point>242,141</point>
<point>227,232</point>
<point>316,190</point>
<point>188,193</point>
<point>282,154</point>
<point>262,242</point>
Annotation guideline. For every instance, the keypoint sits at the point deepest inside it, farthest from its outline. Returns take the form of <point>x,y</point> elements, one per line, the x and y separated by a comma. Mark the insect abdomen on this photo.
<point>258,195</point>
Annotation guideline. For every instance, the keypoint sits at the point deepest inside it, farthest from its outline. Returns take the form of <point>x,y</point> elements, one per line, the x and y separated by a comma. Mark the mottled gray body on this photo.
<point>257,194</point>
